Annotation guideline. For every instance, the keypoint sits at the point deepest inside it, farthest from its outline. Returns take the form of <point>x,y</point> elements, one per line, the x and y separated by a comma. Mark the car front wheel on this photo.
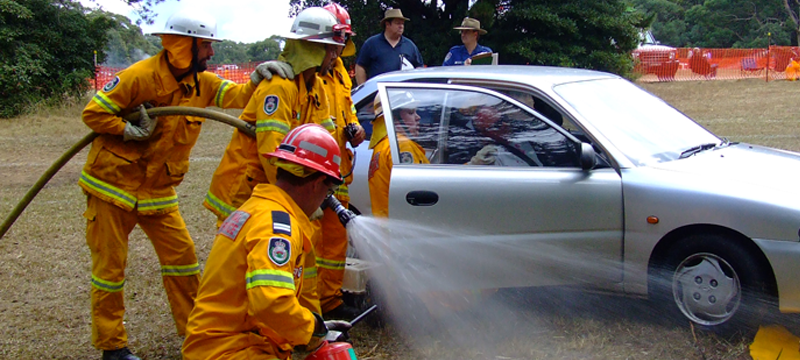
<point>715,282</point>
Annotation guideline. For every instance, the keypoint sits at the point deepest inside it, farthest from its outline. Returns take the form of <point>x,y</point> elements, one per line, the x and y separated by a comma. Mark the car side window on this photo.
<point>544,108</point>
<point>417,115</point>
<point>462,127</point>
<point>510,136</point>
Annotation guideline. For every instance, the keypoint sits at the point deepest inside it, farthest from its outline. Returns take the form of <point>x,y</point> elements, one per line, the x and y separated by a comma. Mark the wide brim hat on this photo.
<point>471,24</point>
<point>392,13</point>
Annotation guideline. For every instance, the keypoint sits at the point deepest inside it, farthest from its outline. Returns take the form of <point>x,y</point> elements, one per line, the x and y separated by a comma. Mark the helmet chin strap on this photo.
<point>195,66</point>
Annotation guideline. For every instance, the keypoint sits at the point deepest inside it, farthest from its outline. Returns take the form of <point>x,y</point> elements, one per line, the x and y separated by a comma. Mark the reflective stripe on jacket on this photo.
<point>250,293</point>
<point>277,106</point>
<point>143,174</point>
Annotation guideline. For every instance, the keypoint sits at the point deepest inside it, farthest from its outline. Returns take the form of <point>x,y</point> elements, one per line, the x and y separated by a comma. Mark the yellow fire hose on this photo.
<point>243,127</point>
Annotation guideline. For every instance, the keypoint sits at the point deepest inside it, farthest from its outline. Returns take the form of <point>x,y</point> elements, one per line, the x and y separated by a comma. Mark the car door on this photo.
<point>532,217</point>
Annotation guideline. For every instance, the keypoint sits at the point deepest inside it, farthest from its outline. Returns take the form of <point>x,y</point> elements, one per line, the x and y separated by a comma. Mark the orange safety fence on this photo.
<point>651,65</point>
<point>682,64</point>
<point>238,73</point>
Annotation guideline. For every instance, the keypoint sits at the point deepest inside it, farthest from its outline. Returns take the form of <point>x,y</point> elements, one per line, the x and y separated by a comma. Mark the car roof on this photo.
<point>543,77</point>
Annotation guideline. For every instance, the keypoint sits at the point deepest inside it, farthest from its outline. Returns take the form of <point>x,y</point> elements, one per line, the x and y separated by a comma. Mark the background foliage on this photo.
<point>126,43</point>
<point>591,34</point>
<point>46,45</point>
<point>43,51</point>
<point>232,52</point>
<point>723,23</point>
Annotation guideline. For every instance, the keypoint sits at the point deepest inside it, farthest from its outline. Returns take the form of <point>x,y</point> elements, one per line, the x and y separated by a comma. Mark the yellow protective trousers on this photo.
<point>107,232</point>
<point>331,254</point>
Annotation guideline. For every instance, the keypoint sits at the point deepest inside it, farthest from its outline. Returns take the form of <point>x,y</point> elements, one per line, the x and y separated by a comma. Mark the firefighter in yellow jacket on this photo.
<point>332,249</point>
<point>406,119</point>
<point>276,107</point>
<point>133,167</point>
<point>248,305</point>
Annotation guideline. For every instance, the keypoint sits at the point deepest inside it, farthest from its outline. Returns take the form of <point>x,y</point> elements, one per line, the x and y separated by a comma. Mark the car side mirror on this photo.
<point>588,158</point>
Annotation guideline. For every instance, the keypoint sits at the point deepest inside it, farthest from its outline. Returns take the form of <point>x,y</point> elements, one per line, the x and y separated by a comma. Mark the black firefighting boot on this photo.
<point>119,354</point>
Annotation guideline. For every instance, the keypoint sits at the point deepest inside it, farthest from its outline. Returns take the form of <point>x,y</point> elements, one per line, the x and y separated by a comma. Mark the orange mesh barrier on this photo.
<point>682,64</point>
<point>104,74</point>
<point>651,65</point>
<point>238,73</point>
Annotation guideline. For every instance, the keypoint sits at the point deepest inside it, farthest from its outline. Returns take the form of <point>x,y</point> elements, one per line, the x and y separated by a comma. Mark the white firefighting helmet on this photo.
<point>190,22</point>
<point>316,24</point>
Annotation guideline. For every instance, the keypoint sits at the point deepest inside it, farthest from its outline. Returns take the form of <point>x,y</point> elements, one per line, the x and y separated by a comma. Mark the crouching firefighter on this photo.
<point>249,302</point>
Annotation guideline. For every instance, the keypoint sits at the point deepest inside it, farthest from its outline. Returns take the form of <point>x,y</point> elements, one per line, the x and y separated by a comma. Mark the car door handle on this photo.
<point>422,198</point>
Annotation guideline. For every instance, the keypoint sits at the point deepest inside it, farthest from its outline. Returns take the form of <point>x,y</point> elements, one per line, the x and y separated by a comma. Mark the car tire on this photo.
<point>715,283</point>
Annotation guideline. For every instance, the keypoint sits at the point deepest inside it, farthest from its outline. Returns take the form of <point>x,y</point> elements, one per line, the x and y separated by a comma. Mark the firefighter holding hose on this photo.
<point>133,168</point>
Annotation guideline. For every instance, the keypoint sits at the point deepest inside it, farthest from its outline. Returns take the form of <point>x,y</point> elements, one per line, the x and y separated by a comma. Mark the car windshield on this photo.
<point>647,38</point>
<point>645,128</point>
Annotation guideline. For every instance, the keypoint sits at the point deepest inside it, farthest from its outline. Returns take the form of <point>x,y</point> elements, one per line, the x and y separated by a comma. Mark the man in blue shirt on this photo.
<point>388,51</point>
<point>461,54</point>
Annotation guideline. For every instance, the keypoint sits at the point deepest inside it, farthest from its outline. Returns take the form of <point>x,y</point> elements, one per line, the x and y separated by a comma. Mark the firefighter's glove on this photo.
<point>319,334</point>
<point>337,330</point>
<point>265,70</point>
<point>316,215</point>
<point>357,135</point>
<point>141,131</point>
<point>485,156</point>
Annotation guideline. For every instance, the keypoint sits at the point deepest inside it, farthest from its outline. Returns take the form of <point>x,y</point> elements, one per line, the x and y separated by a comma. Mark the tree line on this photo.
<point>723,23</point>
<point>46,46</point>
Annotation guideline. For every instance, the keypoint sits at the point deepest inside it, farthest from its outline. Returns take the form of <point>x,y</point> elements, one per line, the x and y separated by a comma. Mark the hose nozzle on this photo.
<point>345,215</point>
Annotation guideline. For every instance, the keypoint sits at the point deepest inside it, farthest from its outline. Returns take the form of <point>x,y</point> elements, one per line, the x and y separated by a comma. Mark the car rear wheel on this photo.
<point>714,282</point>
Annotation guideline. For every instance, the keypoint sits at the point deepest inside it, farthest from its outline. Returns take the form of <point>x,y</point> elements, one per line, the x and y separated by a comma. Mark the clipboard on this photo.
<point>485,58</point>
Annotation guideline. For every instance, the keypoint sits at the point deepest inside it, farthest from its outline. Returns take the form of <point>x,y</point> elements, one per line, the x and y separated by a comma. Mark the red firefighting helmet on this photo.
<point>311,146</point>
<point>342,16</point>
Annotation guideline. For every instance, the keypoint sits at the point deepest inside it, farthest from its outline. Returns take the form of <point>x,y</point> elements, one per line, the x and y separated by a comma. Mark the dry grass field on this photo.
<point>45,264</point>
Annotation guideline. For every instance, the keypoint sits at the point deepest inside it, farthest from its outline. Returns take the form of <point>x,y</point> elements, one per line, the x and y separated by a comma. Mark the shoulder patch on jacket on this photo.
<point>271,104</point>
<point>233,224</point>
<point>111,84</point>
<point>374,164</point>
<point>280,250</point>
<point>281,223</point>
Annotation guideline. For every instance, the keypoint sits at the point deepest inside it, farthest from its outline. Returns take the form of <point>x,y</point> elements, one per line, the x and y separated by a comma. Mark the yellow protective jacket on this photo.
<point>337,84</point>
<point>277,106</point>
<point>380,170</point>
<point>249,294</point>
<point>143,174</point>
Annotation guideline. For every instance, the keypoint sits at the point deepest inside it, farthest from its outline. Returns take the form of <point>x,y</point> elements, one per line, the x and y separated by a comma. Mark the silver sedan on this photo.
<point>589,164</point>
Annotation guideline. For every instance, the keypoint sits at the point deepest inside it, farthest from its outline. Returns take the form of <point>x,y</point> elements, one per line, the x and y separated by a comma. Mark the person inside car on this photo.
<point>404,114</point>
